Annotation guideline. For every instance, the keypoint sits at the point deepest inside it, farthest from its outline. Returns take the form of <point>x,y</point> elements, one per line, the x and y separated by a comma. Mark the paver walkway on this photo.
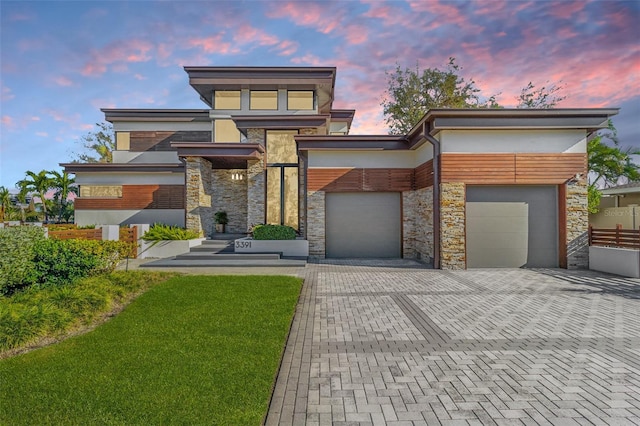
<point>397,344</point>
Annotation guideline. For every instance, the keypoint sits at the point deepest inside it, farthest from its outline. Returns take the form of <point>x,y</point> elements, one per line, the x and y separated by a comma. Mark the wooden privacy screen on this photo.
<point>378,180</point>
<point>530,168</point>
<point>160,141</point>
<point>137,197</point>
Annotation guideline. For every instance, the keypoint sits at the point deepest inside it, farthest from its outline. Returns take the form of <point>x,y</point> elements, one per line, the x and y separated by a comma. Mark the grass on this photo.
<point>192,350</point>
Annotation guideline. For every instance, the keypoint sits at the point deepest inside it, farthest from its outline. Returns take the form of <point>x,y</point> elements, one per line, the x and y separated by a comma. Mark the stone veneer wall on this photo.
<point>199,211</point>
<point>316,223</point>
<point>231,196</point>
<point>255,136</point>
<point>302,187</point>
<point>255,198</point>
<point>577,225</point>
<point>452,226</point>
<point>417,224</point>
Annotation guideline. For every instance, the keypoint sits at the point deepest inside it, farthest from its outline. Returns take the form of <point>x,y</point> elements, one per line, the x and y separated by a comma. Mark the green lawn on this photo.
<point>192,350</point>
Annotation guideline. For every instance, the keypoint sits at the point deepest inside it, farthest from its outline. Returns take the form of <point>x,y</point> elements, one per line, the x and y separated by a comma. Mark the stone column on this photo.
<point>452,226</point>
<point>255,136</point>
<point>199,211</point>
<point>577,224</point>
<point>255,193</point>
<point>316,223</point>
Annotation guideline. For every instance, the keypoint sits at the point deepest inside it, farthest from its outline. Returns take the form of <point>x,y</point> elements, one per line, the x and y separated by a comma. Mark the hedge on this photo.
<point>273,232</point>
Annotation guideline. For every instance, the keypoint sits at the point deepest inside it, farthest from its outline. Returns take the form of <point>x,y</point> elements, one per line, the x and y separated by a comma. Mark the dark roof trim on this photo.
<point>342,114</point>
<point>122,167</point>
<point>212,150</point>
<point>242,74</point>
<point>279,121</point>
<point>436,120</point>
<point>180,115</point>
<point>351,143</point>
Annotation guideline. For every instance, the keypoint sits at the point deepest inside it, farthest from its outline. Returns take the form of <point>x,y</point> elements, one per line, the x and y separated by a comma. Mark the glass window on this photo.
<point>226,131</point>
<point>300,99</point>
<point>226,99</point>
<point>281,147</point>
<point>264,99</point>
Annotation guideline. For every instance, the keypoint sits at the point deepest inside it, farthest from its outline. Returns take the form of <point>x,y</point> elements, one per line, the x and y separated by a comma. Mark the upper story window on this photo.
<point>264,99</point>
<point>226,131</point>
<point>226,99</point>
<point>300,99</point>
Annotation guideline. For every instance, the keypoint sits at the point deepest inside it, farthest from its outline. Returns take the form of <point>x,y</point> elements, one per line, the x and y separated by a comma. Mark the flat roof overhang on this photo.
<point>205,80</point>
<point>221,155</point>
<point>631,188</point>
<point>281,122</point>
<point>437,120</point>
<point>123,167</point>
<point>164,115</point>
<point>351,143</point>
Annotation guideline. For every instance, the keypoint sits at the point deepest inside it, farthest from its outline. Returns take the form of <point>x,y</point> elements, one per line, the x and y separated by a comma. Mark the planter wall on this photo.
<point>162,249</point>
<point>295,248</point>
<point>619,261</point>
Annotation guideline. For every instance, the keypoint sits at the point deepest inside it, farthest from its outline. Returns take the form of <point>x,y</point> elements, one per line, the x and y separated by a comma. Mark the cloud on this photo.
<point>63,81</point>
<point>213,44</point>
<point>42,134</point>
<point>308,59</point>
<point>115,54</point>
<point>6,94</point>
<point>246,34</point>
<point>287,47</point>
<point>322,17</point>
<point>7,121</point>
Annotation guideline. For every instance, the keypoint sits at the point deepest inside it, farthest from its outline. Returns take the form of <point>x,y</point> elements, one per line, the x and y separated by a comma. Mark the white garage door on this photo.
<point>363,225</point>
<point>512,226</point>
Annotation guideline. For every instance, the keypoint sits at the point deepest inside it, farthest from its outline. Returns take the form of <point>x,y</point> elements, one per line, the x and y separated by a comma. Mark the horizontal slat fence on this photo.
<point>77,234</point>
<point>616,237</point>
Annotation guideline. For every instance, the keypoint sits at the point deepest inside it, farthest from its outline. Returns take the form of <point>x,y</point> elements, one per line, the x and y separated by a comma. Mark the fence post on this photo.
<point>618,229</point>
<point>141,228</point>
<point>590,234</point>
<point>110,232</point>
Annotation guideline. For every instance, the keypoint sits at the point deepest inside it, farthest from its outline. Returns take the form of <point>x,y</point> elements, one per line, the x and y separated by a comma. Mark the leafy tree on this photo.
<point>544,97</point>
<point>412,92</point>
<point>38,183</point>
<point>5,203</point>
<point>64,184</point>
<point>608,164</point>
<point>100,143</point>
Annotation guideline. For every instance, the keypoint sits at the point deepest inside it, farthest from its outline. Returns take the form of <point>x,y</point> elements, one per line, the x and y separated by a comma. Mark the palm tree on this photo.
<point>5,203</point>
<point>64,185</point>
<point>38,183</point>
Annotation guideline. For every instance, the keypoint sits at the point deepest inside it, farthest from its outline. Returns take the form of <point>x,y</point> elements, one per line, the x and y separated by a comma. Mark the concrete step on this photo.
<point>174,263</point>
<point>212,249</point>
<point>229,256</point>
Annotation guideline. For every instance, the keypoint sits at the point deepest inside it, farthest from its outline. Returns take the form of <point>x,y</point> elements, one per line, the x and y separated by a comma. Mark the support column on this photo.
<point>316,223</point>
<point>452,226</point>
<point>199,211</point>
<point>577,224</point>
<point>255,193</point>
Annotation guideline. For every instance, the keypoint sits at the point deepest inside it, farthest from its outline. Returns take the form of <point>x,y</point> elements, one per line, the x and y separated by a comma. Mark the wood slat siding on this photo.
<point>76,234</point>
<point>424,175</point>
<point>358,180</point>
<point>137,197</point>
<point>160,141</point>
<point>492,169</point>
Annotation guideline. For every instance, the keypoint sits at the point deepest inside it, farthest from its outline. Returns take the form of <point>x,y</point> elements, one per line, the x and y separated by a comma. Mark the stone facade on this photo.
<point>199,210</point>
<point>302,198</point>
<point>577,224</point>
<point>230,195</point>
<point>255,197</point>
<point>417,224</point>
<point>255,136</point>
<point>452,226</point>
<point>316,223</point>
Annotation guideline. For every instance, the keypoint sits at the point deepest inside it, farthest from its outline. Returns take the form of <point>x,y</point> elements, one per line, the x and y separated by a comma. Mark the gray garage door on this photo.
<point>363,224</point>
<point>512,226</point>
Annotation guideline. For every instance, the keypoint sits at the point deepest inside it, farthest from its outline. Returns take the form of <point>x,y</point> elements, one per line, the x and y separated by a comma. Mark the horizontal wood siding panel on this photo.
<point>478,168</point>
<point>424,175</point>
<point>527,168</point>
<point>388,180</point>
<point>549,168</point>
<point>334,180</point>
<point>137,197</point>
<point>160,141</point>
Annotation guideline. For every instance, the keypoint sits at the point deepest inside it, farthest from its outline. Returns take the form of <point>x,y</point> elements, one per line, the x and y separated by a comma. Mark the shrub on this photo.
<point>273,232</point>
<point>58,262</point>
<point>17,249</point>
<point>160,231</point>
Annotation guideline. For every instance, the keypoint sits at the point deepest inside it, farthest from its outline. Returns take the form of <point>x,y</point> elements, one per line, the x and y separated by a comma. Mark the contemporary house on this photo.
<point>465,188</point>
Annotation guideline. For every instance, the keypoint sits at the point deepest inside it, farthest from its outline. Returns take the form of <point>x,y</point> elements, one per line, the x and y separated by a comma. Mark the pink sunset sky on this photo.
<point>63,61</point>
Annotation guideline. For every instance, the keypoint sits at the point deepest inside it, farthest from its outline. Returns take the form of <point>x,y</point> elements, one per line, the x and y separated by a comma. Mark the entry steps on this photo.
<point>219,251</point>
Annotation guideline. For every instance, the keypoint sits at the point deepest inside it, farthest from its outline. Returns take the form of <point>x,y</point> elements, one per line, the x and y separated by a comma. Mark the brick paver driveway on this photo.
<point>396,344</point>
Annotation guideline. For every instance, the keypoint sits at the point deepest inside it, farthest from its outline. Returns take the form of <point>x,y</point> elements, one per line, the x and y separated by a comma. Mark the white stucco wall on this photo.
<point>119,217</point>
<point>130,178</point>
<point>508,141</point>
<point>160,157</point>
